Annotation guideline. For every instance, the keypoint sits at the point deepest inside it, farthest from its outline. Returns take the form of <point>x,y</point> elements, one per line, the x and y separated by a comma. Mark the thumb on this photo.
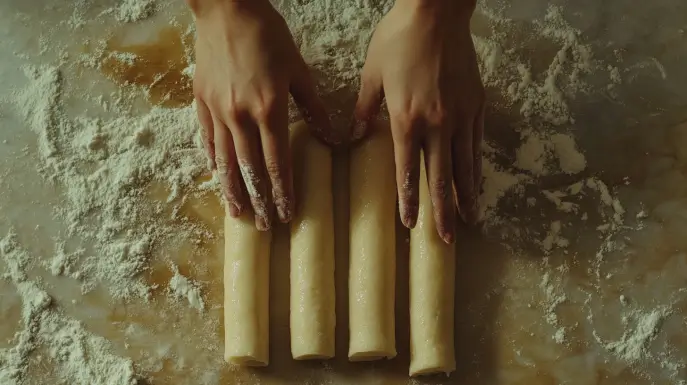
<point>310,105</point>
<point>368,105</point>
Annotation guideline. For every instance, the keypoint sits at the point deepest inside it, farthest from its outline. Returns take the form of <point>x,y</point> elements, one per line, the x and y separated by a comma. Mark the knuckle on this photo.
<point>437,115</point>
<point>204,134</point>
<point>367,79</point>
<point>264,109</point>
<point>273,168</point>
<point>234,112</point>
<point>197,93</point>
<point>197,89</point>
<point>224,167</point>
<point>230,188</point>
<point>439,188</point>
<point>410,200</point>
<point>406,120</point>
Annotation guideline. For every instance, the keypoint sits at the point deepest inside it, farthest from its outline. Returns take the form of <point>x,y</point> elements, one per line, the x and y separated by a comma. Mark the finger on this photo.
<point>477,135</point>
<point>274,136</point>
<point>309,103</point>
<point>228,168</point>
<point>368,104</point>
<point>207,132</point>
<point>407,158</point>
<point>463,171</point>
<point>249,157</point>
<point>437,152</point>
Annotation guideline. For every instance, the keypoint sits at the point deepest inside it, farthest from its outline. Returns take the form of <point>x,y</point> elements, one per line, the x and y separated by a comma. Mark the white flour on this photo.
<point>108,168</point>
<point>551,284</point>
<point>539,149</point>
<point>633,345</point>
<point>333,34</point>
<point>182,287</point>
<point>542,97</point>
<point>80,357</point>
<point>130,11</point>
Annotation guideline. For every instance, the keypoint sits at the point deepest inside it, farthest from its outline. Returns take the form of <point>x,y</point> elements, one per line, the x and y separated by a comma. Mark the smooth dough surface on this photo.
<point>432,282</point>
<point>372,265</point>
<point>246,291</point>
<point>313,316</point>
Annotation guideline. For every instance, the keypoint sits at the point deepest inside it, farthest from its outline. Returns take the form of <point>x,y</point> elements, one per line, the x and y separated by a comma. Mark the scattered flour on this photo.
<point>539,149</point>
<point>333,34</point>
<point>130,11</point>
<point>107,169</point>
<point>554,296</point>
<point>633,345</point>
<point>571,161</point>
<point>541,98</point>
<point>554,238</point>
<point>62,262</point>
<point>533,154</point>
<point>182,287</point>
<point>497,183</point>
<point>80,357</point>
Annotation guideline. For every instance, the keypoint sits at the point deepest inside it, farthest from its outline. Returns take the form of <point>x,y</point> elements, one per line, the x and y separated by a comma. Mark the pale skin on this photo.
<point>420,59</point>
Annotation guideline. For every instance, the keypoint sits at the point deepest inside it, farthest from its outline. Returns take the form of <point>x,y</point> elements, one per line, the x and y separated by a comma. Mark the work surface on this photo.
<point>110,227</point>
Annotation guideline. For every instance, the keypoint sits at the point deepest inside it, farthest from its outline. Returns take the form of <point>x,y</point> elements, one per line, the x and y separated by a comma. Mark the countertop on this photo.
<point>592,292</point>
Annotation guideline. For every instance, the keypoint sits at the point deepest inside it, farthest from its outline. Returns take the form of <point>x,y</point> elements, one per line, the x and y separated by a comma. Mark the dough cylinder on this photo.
<point>313,311</point>
<point>432,285</point>
<point>246,291</point>
<point>372,265</point>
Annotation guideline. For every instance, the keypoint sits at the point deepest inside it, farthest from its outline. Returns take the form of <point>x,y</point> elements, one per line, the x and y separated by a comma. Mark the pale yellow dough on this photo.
<point>246,291</point>
<point>372,266</point>
<point>313,315</point>
<point>432,281</point>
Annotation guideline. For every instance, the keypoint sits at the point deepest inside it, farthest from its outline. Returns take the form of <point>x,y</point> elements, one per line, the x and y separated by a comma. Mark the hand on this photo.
<point>422,59</point>
<point>246,65</point>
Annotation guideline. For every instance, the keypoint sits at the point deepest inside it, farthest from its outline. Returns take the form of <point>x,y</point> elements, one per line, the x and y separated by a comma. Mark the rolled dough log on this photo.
<point>313,316</point>
<point>246,291</point>
<point>372,265</point>
<point>432,281</point>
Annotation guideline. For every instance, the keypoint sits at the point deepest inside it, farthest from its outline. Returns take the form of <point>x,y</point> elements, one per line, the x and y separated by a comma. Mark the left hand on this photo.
<point>422,59</point>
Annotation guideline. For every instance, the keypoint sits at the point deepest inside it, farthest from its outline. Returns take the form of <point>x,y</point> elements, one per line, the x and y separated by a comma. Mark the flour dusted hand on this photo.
<point>246,66</point>
<point>422,59</point>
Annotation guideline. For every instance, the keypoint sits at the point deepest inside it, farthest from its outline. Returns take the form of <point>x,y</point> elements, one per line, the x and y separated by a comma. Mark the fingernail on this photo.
<point>261,223</point>
<point>358,129</point>
<point>284,211</point>
<point>448,237</point>
<point>409,220</point>
<point>234,210</point>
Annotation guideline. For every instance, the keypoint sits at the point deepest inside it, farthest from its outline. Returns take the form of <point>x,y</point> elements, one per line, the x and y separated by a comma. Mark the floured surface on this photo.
<point>110,237</point>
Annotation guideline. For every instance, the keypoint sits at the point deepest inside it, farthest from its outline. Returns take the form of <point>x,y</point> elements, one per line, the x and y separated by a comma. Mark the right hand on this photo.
<point>246,65</point>
<point>421,59</point>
